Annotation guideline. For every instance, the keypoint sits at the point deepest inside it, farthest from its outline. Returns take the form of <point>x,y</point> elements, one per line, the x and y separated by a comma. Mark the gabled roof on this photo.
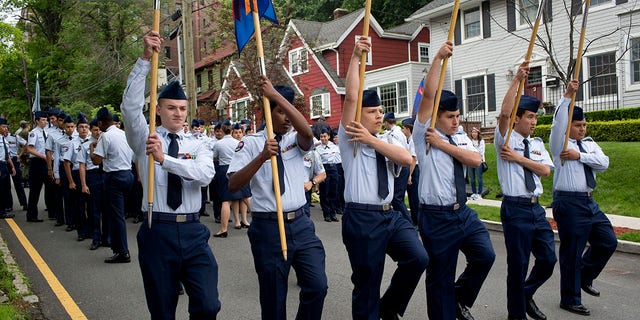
<point>410,28</point>
<point>228,48</point>
<point>433,8</point>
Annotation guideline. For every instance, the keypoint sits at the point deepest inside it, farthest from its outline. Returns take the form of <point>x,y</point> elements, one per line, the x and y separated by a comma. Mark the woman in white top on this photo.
<point>476,173</point>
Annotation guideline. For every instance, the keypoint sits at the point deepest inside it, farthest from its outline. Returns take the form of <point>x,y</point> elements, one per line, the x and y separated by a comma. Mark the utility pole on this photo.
<point>189,76</point>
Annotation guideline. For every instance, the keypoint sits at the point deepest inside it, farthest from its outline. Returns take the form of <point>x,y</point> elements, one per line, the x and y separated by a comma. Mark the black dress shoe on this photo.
<point>221,235</point>
<point>34,220</point>
<point>94,245</point>
<point>106,244</point>
<point>58,224</point>
<point>204,214</point>
<point>118,258</point>
<point>7,216</point>
<point>136,220</point>
<point>80,238</point>
<point>327,219</point>
<point>69,229</point>
<point>216,220</point>
<point>533,311</point>
<point>462,312</point>
<point>244,225</point>
<point>335,219</point>
<point>237,227</point>
<point>590,290</point>
<point>576,308</point>
<point>513,318</point>
<point>388,314</point>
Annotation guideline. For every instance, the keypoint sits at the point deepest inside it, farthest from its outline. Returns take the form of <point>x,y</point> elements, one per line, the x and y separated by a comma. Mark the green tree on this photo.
<point>388,13</point>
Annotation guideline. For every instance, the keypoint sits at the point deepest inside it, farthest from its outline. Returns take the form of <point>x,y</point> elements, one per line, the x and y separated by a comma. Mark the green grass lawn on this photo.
<point>618,190</point>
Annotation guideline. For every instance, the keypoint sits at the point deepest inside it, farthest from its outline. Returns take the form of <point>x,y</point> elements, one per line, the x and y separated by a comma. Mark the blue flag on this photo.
<point>243,17</point>
<point>417,99</point>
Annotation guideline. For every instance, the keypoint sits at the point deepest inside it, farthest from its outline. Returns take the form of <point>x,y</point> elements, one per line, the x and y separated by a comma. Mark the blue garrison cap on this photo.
<point>286,92</point>
<point>102,113</point>
<point>116,118</point>
<point>195,123</point>
<point>54,111</point>
<point>370,98</point>
<point>212,123</point>
<point>408,121</point>
<point>245,121</point>
<point>218,126</point>
<point>62,115</point>
<point>40,114</point>
<point>173,91</point>
<point>248,128</point>
<point>261,127</point>
<point>3,121</point>
<point>68,119</point>
<point>201,122</point>
<point>82,118</point>
<point>529,103</point>
<point>325,130</point>
<point>226,122</point>
<point>448,101</point>
<point>93,123</point>
<point>578,114</point>
<point>389,115</point>
<point>236,126</point>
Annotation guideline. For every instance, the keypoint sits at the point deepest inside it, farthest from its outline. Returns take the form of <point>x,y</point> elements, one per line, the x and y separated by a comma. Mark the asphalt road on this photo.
<point>115,292</point>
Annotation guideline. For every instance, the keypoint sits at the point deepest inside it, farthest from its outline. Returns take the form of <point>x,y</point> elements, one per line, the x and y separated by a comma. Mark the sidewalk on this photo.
<point>616,221</point>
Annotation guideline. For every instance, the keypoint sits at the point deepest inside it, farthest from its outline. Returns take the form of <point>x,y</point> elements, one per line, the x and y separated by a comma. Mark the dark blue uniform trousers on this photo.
<point>6,199</point>
<point>99,231</point>
<point>38,178</point>
<point>400,188</point>
<point>329,192</point>
<point>305,253</point>
<point>116,185</point>
<point>340,193</point>
<point>368,236</point>
<point>214,196</point>
<point>579,221</point>
<point>414,197</point>
<point>171,253</point>
<point>17,182</point>
<point>78,202</point>
<point>526,232</point>
<point>68,205</point>
<point>444,233</point>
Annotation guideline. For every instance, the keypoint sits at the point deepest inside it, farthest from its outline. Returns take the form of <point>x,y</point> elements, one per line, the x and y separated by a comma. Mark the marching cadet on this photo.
<point>92,179</point>
<point>526,229</point>
<point>414,171</point>
<point>7,169</point>
<point>76,179</point>
<point>370,226</point>
<point>37,165</point>
<point>60,147</point>
<point>214,195</point>
<point>174,248</point>
<point>576,213</point>
<point>330,155</point>
<point>15,144</point>
<point>447,225</point>
<point>251,164</point>
<point>53,198</point>
<point>401,173</point>
<point>112,151</point>
<point>315,175</point>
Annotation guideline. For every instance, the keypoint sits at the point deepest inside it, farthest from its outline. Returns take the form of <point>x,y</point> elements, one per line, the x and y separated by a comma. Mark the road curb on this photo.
<point>623,245</point>
<point>22,289</point>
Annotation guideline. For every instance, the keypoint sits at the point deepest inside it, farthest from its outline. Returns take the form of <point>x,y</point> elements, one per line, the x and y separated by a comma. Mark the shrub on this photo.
<point>602,115</point>
<point>621,130</point>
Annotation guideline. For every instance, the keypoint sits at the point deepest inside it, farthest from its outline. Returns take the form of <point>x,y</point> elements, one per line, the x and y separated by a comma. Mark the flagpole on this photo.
<point>269,128</point>
<point>532,41</point>
<point>576,72</point>
<point>363,66</point>
<point>152,113</point>
<point>443,70</point>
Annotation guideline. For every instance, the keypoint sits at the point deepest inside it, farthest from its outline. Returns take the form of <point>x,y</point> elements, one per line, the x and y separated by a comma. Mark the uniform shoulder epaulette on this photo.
<point>255,135</point>
<point>538,139</point>
<point>587,139</point>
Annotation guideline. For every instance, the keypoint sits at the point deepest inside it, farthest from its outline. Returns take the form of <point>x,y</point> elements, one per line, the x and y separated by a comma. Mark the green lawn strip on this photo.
<point>618,187</point>
<point>15,308</point>
<point>630,236</point>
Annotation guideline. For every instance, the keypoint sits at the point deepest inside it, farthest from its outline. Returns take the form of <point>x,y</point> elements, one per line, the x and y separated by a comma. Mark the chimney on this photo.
<point>339,12</point>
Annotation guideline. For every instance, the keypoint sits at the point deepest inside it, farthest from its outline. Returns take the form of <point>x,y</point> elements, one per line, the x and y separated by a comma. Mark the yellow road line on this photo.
<point>63,296</point>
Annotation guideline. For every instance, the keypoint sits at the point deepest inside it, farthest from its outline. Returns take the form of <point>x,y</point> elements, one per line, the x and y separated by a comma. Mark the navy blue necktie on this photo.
<point>174,187</point>
<point>528,175</point>
<point>588,172</point>
<point>383,180</point>
<point>458,174</point>
<point>44,134</point>
<point>6,150</point>
<point>280,165</point>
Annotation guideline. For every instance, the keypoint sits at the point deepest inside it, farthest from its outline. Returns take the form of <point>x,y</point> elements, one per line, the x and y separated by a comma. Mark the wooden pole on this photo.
<point>443,70</point>
<point>269,127</point>
<point>576,71</point>
<point>532,41</point>
<point>363,67</point>
<point>152,112</point>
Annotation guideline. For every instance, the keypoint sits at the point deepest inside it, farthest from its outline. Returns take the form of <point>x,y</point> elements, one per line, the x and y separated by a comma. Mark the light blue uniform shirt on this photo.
<point>85,155</point>
<point>224,150</point>
<point>571,176</point>
<point>194,162</point>
<point>437,180</point>
<point>74,152</point>
<point>53,134</point>
<point>13,143</point>
<point>114,150</point>
<point>36,139</point>
<point>511,174</point>
<point>263,198</point>
<point>329,153</point>
<point>360,173</point>
<point>312,164</point>
<point>60,147</point>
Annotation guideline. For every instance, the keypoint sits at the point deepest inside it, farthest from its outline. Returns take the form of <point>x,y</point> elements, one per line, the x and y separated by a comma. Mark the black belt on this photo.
<point>369,207</point>
<point>452,207</point>
<point>96,170</point>
<point>288,216</point>
<point>523,200</point>
<point>175,217</point>
<point>572,194</point>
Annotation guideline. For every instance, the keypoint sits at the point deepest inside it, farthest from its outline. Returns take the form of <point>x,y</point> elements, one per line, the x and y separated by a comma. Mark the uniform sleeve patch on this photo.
<point>240,146</point>
<point>32,134</point>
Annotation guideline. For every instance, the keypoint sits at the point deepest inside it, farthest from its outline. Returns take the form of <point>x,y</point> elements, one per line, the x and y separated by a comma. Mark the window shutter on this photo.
<point>486,20</point>
<point>580,93</point>
<point>576,7</point>
<point>457,36</point>
<point>491,92</point>
<point>459,94</point>
<point>621,1</point>
<point>548,12</point>
<point>511,15</point>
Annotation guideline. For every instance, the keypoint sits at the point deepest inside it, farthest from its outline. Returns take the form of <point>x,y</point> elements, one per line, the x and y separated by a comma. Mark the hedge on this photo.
<point>603,115</point>
<point>620,131</point>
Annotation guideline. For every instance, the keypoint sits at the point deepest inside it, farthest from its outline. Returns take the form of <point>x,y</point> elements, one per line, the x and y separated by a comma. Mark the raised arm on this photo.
<point>510,98</point>
<point>363,45</point>
<point>560,118</point>
<point>431,82</point>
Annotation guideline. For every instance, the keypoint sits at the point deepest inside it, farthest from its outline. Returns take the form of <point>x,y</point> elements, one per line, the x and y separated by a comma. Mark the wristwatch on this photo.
<point>313,182</point>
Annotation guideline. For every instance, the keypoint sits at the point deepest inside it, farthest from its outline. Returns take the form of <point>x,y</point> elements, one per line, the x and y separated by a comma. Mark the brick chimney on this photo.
<point>339,12</point>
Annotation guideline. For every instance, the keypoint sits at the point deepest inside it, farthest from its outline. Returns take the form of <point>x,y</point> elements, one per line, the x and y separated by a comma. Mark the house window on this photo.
<point>298,61</point>
<point>239,109</point>
<point>370,54</point>
<point>167,52</point>
<point>210,78</point>
<point>472,23</point>
<point>475,93</point>
<point>393,97</point>
<point>527,11</point>
<point>423,52</point>
<point>635,60</point>
<point>594,3</point>
<point>320,105</point>
<point>602,74</point>
<point>199,81</point>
